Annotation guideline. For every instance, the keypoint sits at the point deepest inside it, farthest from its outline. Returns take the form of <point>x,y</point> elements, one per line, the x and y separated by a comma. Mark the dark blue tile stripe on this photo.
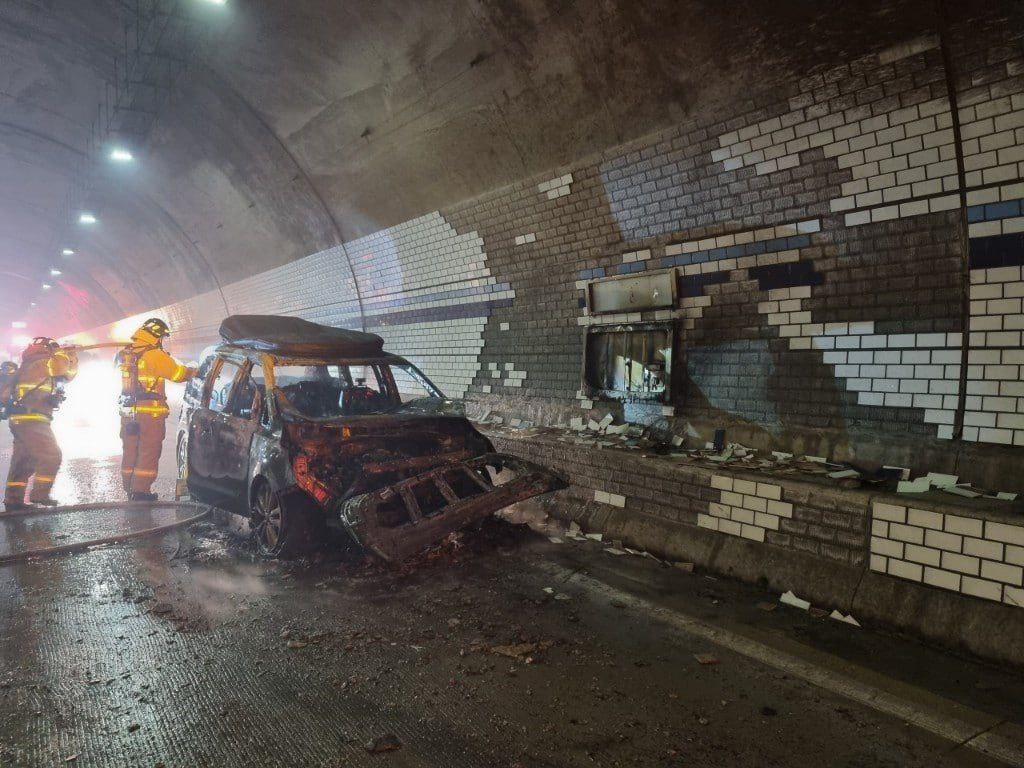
<point>459,293</point>
<point>997,251</point>
<point>786,275</point>
<point>735,251</point>
<point>437,314</point>
<point>1008,209</point>
<point>693,285</point>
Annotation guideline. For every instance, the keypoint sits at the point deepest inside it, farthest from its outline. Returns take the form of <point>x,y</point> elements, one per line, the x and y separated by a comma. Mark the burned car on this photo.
<point>303,427</point>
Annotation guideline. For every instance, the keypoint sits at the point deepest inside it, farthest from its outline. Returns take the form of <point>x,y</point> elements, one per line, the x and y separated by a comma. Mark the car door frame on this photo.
<point>234,436</point>
<point>206,468</point>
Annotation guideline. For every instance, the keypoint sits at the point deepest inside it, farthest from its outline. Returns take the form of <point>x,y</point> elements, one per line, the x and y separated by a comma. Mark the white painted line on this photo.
<point>977,734</point>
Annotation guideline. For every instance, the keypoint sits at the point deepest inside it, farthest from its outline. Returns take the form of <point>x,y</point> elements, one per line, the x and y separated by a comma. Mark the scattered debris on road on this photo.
<point>386,743</point>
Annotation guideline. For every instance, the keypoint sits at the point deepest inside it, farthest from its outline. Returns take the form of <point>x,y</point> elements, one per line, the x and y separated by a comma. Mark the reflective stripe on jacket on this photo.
<point>37,380</point>
<point>144,369</point>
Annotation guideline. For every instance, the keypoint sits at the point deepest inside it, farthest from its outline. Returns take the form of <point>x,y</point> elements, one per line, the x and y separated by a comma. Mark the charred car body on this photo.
<point>301,426</point>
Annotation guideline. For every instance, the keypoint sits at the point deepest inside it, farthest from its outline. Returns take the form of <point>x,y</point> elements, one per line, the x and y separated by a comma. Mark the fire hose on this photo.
<point>81,546</point>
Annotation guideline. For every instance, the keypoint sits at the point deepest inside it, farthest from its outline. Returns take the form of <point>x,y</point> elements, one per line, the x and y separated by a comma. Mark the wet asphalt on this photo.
<point>499,648</point>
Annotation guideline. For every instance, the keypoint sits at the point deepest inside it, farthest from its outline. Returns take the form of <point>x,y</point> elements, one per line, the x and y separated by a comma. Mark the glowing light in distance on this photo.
<point>20,342</point>
<point>89,421</point>
<point>19,324</point>
<point>67,252</point>
<point>54,272</point>
<point>47,286</point>
<point>86,218</point>
<point>121,155</point>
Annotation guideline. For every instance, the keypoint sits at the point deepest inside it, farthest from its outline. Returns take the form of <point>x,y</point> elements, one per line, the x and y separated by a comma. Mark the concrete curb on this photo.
<point>992,631</point>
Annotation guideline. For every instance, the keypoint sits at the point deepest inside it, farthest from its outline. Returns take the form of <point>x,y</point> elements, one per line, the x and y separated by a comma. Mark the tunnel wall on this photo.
<point>945,568</point>
<point>840,246</point>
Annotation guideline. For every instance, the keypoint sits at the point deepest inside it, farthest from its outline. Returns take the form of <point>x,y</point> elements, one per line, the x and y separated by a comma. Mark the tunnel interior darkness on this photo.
<point>456,175</point>
<point>296,126</point>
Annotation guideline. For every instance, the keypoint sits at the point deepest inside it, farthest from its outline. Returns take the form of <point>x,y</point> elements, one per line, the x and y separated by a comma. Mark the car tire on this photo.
<point>283,525</point>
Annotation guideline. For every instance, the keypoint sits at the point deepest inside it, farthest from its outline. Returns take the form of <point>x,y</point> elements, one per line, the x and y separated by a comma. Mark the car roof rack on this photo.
<point>295,337</point>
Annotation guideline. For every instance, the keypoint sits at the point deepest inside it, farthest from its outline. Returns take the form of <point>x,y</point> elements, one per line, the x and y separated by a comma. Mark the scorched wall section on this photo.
<point>847,252</point>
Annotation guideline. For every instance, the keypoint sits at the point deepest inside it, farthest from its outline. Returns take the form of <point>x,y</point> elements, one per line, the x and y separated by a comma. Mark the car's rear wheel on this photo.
<point>283,525</point>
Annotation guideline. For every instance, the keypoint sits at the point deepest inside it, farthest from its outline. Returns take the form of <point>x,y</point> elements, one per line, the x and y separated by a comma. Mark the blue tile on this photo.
<point>734,251</point>
<point>1006,210</point>
<point>975,213</point>
<point>997,251</point>
<point>798,241</point>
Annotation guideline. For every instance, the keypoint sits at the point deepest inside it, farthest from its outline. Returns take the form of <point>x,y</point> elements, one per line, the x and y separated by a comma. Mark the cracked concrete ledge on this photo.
<point>990,630</point>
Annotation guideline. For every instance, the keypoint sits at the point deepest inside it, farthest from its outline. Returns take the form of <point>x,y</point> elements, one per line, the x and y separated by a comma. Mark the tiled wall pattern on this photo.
<point>612,499</point>
<point>814,230</point>
<point>558,187</point>
<point>982,558</point>
<point>923,370</point>
<point>422,286</point>
<point>745,508</point>
<point>787,517</point>
<point>506,374</point>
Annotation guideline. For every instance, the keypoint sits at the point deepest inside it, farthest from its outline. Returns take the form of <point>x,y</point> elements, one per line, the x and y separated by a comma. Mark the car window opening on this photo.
<point>333,390</point>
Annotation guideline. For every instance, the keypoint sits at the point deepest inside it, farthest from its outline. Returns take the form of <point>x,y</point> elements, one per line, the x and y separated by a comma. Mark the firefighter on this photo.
<point>8,378</point>
<point>144,368</point>
<point>37,392</point>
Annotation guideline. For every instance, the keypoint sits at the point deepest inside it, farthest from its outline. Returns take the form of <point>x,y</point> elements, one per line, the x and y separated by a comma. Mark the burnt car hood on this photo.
<point>343,457</point>
<point>399,484</point>
<point>376,441</point>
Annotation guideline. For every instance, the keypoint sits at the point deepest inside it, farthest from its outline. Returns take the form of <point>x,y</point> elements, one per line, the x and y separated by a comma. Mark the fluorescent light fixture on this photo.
<point>47,286</point>
<point>32,304</point>
<point>86,218</point>
<point>67,252</point>
<point>54,272</point>
<point>216,2</point>
<point>121,155</point>
<point>19,324</point>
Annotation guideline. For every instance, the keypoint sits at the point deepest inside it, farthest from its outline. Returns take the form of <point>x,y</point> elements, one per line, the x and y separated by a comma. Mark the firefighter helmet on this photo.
<point>156,328</point>
<point>41,346</point>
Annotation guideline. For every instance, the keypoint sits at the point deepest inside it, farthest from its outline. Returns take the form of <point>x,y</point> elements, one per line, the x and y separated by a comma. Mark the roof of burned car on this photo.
<point>294,337</point>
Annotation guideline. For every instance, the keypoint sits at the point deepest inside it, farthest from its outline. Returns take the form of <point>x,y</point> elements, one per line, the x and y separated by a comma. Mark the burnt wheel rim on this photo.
<point>267,517</point>
<point>182,460</point>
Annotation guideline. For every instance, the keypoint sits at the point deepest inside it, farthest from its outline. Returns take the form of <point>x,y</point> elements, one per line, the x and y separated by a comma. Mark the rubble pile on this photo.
<point>655,442</point>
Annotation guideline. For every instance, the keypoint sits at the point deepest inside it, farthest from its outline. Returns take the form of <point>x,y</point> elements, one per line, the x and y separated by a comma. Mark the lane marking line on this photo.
<point>979,735</point>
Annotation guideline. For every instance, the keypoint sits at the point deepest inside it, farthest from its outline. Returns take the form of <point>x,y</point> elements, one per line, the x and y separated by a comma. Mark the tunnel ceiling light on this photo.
<point>67,252</point>
<point>32,304</point>
<point>121,155</point>
<point>47,286</point>
<point>19,324</point>
<point>216,2</point>
<point>54,272</point>
<point>86,218</point>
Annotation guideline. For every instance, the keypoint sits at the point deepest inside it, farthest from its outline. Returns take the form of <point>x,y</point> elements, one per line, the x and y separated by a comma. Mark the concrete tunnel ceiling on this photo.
<point>300,124</point>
